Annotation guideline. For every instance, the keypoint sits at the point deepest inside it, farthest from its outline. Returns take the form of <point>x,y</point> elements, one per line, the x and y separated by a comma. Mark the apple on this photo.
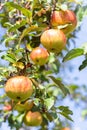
<point>7,107</point>
<point>66,128</point>
<point>33,118</point>
<point>66,18</point>
<point>19,88</point>
<point>53,40</point>
<point>20,107</point>
<point>39,56</point>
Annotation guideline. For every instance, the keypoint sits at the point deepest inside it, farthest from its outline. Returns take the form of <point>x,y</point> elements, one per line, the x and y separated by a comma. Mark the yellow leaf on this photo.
<point>19,65</point>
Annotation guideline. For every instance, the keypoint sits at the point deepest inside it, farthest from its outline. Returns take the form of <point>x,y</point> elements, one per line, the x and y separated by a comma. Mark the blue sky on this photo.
<point>79,123</point>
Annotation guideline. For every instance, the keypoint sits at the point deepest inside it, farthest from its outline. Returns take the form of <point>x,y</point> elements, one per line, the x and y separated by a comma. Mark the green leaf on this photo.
<point>1,86</point>
<point>83,65</point>
<point>9,57</point>
<point>64,110</point>
<point>36,4</point>
<point>65,115</point>
<point>60,85</point>
<point>73,54</point>
<point>17,26</point>
<point>25,11</point>
<point>2,15</point>
<point>11,38</point>
<point>49,116</point>
<point>64,7</point>
<point>27,30</point>
<point>3,96</point>
<point>36,101</point>
<point>49,102</point>
<point>20,117</point>
<point>54,115</point>
<point>84,113</point>
<point>84,47</point>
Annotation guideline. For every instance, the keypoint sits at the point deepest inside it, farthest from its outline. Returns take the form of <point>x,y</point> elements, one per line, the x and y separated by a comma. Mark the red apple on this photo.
<point>39,56</point>
<point>7,107</point>
<point>53,40</point>
<point>66,128</point>
<point>19,88</point>
<point>67,18</point>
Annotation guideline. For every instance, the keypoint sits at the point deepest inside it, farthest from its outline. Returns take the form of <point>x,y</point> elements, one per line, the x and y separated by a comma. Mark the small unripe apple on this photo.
<point>53,40</point>
<point>20,107</point>
<point>39,56</point>
<point>67,18</point>
<point>7,107</point>
<point>33,118</point>
<point>19,88</point>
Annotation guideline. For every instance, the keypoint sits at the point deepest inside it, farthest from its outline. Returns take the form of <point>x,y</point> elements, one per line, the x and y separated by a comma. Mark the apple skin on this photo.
<point>33,118</point>
<point>23,107</point>
<point>39,56</point>
<point>53,40</point>
<point>19,88</point>
<point>61,17</point>
<point>7,107</point>
<point>66,128</point>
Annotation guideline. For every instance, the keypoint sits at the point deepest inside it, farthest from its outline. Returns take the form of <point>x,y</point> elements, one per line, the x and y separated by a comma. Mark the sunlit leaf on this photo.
<point>49,102</point>
<point>84,47</point>
<point>60,85</point>
<point>73,54</point>
<point>9,58</point>
<point>27,30</point>
<point>17,26</point>
<point>25,11</point>
<point>10,38</point>
<point>1,86</point>
<point>19,65</point>
<point>84,113</point>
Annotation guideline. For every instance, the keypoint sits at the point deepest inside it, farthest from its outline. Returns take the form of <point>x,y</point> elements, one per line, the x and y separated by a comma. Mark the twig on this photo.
<point>35,83</point>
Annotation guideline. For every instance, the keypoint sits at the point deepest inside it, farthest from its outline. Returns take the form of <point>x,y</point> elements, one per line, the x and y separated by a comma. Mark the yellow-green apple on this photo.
<point>39,56</point>
<point>53,40</point>
<point>21,107</point>
<point>19,88</point>
<point>33,118</point>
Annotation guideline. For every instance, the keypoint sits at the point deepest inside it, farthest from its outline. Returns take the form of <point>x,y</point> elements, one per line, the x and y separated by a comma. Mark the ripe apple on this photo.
<point>33,118</point>
<point>65,18</point>
<point>53,40</point>
<point>20,107</point>
<point>39,56</point>
<point>66,128</point>
<point>19,88</point>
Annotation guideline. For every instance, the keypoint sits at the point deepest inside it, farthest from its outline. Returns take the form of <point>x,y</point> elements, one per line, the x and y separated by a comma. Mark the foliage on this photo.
<point>25,22</point>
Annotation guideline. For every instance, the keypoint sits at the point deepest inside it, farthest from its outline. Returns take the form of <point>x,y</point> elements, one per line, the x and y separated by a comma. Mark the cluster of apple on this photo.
<point>20,88</point>
<point>54,39</point>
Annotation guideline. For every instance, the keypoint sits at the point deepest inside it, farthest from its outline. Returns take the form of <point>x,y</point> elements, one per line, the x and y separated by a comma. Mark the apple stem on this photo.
<point>53,9</point>
<point>35,83</point>
<point>54,4</point>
